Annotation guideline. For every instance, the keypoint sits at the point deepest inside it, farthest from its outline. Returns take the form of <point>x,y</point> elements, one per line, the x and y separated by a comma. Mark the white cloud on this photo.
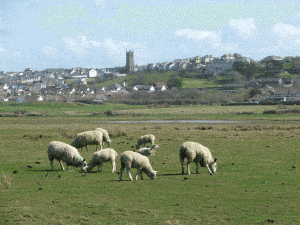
<point>285,30</point>
<point>244,28</point>
<point>288,36</point>
<point>80,45</point>
<point>210,37</point>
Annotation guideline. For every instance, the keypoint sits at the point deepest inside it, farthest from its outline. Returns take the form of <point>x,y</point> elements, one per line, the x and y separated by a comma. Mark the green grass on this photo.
<point>198,83</point>
<point>157,112</point>
<point>256,180</point>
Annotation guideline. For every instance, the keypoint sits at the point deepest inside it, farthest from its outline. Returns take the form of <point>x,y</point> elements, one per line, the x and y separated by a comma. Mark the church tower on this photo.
<point>130,61</point>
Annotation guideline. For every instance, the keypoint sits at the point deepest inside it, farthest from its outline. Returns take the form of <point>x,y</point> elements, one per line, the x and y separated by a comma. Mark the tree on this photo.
<point>175,82</point>
<point>246,69</point>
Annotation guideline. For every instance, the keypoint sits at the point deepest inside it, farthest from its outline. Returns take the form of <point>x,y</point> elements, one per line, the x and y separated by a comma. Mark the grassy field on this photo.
<point>198,83</point>
<point>256,180</point>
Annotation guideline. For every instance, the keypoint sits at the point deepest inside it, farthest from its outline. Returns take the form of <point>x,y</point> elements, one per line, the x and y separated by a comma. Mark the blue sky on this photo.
<point>96,34</point>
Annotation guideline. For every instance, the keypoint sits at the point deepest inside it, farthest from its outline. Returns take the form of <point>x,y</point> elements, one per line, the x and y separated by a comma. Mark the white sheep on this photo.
<point>106,137</point>
<point>94,137</point>
<point>148,151</point>
<point>130,159</point>
<point>148,138</point>
<point>99,157</point>
<point>65,153</point>
<point>195,152</point>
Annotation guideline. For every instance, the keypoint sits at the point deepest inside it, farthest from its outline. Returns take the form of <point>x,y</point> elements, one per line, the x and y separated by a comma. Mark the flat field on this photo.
<point>256,180</point>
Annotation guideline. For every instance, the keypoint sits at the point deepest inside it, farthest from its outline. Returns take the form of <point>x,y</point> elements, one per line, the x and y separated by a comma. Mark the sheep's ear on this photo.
<point>83,160</point>
<point>156,171</point>
<point>215,159</point>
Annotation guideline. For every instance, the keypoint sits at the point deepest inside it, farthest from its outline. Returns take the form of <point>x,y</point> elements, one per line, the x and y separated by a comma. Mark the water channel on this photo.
<point>174,121</point>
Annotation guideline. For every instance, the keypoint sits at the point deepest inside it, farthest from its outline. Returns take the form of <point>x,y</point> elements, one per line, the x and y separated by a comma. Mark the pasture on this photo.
<point>256,180</point>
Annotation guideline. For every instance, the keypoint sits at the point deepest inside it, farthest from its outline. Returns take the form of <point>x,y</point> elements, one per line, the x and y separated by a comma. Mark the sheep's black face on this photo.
<point>152,175</point>
<point>84,166</point>
<point>213,166</point>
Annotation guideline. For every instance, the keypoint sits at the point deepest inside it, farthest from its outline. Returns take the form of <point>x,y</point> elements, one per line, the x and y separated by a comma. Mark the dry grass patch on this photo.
<point>5,182</point>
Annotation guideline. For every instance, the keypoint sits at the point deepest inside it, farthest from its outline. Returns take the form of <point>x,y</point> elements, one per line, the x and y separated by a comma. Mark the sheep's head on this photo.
<point>137,146</point>
<point>213,166</point>
<point>107,139</point>
<point>84,165</point>
<point>155,146</point>
<point>152,175</point>
<point>108,142</point>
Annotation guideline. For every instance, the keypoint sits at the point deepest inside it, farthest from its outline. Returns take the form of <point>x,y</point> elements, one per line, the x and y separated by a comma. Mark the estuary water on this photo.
<point>174,121</point>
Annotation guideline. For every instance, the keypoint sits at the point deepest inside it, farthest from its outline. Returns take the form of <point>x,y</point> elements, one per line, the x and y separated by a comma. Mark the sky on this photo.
<point>40,34</point>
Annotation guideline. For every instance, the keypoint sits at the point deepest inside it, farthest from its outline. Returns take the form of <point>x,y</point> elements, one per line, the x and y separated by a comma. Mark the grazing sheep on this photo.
<point>148,138</point>
<point>195,152</point>
<point>106,137</point>
<point>65,153</point>
<point>94,137</point>
<point>130,159</point>
<point>104,155</point>
<point>148,151</point>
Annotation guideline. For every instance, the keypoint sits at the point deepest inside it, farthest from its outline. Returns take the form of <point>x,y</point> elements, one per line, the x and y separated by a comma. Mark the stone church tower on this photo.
<point>130,61</point>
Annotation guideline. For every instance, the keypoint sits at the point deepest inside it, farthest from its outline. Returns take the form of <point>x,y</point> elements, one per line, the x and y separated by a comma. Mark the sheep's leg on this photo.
<point>114,166</point>
<point>51,163</point>
<point>209,169</point>
<point>100,165</point>
<point>61,165</point>
<point>121,171</point>
<point>197,167</point>
<point>137,174</point>
<point>141,175</point>
<point>67,166</point>
<point>188,167</point>
<point>129,174</point>
<point>86,148</point>
<point>182,161</point>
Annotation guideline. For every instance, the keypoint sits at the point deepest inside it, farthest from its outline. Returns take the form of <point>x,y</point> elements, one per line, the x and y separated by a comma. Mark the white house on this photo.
<point>40,99</point>
<point>163,88</point>
<point>152,89</point>
<point>93,73</point>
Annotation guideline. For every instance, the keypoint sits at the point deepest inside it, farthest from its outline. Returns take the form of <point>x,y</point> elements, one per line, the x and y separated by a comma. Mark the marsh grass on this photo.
<point>256,180</point>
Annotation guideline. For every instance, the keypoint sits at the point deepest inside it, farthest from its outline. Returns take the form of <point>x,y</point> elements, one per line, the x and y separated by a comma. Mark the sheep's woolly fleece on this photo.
<point>130,159</point>
<point>99,157</point>
<point>148,138</point>
<point>65,153</point>
<point>94,137</point>
<point>195,152</point>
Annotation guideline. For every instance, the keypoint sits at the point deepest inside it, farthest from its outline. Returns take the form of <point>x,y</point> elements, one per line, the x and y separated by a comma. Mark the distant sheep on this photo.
<point>130,159</point>
<point>148,138</point>
<point>64,153</point>
<point>106,137</point>
<point>148,151</point>
<point>104,155</point>
<point>195,152</point>
<point>94,137</point>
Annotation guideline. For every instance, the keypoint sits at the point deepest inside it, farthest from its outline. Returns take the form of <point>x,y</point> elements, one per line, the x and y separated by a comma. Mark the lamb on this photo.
<point>94,137</point>
<point>148,151</point>
<point>65,153</point>
<point>106,137</point>
<point>104,155</point>
<point>148,138</point>
<point>195,152</point>
<point>130,159</point>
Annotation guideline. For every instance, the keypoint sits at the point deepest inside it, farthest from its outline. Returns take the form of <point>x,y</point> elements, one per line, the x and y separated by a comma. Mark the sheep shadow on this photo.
<point>171,174</point>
